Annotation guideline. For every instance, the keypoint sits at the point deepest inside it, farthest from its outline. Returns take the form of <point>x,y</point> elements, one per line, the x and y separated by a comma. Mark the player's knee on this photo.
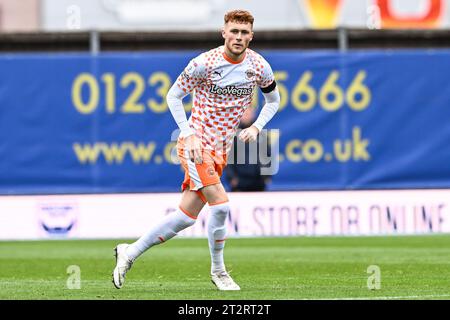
<point>215,194</point>
<point>191,211</point>
<point>219,213</point>
<point>192,203</point>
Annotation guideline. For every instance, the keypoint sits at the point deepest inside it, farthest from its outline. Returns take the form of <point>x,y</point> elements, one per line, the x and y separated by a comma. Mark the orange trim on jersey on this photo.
<point>231,60</point>
<point>217,203</point>
<point>188,214</point>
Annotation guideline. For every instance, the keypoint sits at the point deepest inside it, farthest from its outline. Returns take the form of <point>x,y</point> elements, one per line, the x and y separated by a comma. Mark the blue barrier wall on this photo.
<point>75,123</point>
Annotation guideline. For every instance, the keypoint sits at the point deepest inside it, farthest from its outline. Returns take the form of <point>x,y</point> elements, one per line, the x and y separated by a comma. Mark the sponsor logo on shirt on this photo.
<point>233,90</point>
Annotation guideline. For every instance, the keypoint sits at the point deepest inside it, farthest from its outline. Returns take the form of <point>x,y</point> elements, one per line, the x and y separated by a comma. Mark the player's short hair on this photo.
<point>239,16</point>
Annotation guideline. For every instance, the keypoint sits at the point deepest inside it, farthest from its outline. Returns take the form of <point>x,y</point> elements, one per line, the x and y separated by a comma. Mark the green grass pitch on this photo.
<point>412,267</point>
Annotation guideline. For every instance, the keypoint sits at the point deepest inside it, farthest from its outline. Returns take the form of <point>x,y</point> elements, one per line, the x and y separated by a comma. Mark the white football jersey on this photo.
<point>223,90</point>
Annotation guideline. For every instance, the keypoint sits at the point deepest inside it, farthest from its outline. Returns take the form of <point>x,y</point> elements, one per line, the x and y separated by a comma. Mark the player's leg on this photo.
<point>185,216</point>
<point>219,209</point>
<point>217,229</point>
<point>191,204</point>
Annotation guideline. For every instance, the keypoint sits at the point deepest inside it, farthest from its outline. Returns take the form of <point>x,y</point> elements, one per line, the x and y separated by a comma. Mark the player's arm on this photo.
<point>272,103</point>
<point>175,103</point>
<point>192,143</point>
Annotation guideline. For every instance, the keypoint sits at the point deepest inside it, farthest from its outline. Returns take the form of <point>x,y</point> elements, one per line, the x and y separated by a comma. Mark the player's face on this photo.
<point>237,38</point>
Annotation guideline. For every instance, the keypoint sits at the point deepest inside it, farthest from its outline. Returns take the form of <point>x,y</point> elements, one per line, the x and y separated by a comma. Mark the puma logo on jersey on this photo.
<point>217,74</point>
<point>238,92</point>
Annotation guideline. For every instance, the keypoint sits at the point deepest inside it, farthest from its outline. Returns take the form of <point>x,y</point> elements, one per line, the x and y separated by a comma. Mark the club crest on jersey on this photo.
<point>233,90</point>
<point>211,171</point>
<point>250,74</point>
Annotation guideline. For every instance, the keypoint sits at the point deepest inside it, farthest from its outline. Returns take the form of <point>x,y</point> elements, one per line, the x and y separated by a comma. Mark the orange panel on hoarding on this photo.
<point>430,18</point>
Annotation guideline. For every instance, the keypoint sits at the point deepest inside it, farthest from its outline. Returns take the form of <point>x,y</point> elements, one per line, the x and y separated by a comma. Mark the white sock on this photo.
<point>166,229</point>
<point>217,231</point>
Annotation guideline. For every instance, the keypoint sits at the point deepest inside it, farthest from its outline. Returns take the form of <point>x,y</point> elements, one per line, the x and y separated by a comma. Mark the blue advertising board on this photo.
<point>76,123</point>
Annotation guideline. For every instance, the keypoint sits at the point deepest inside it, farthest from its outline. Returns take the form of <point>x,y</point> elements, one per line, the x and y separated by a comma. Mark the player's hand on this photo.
<point>249,134</point>
<point>194,147</point>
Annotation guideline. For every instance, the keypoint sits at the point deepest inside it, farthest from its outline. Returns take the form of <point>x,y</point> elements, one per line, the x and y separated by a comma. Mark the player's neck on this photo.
<point>233,58</point>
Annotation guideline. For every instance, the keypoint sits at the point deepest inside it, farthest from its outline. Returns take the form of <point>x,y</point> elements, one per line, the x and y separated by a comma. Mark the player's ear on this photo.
<point>251,37</point>
<point>223,32</point>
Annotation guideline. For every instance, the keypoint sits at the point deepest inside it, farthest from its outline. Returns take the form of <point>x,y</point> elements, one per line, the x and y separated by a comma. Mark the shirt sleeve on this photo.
<point>266,76</point>
<point>269,109</point>
<point>192,75</point>
<point>174,101</point>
